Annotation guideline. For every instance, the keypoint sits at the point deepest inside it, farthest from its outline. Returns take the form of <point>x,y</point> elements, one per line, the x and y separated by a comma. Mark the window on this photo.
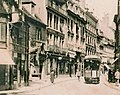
<point>38,34</point>
<point>76,40</point>
<point>61,24</point>
<point>71,38</point>
<point>54,40</point>
<point>77,28</point>
<point>57,43</point>
<point>71,25</point>
<point>51,39</point>
<point>3,29</point>
<point>49,19</point>
<point>68,23</point>
<point>55,22</point>
<point>60,42</point>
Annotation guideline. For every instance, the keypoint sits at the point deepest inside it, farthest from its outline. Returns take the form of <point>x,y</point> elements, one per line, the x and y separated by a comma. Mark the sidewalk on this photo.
<point>37,84</point>
<point>112,85</point>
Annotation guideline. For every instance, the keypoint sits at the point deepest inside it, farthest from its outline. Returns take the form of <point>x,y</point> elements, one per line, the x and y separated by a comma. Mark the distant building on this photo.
<point>91,33</point>
<point>105,41</point>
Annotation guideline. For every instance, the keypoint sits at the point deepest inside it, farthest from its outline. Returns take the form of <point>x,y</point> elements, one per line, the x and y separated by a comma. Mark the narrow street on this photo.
<point>71,86</point>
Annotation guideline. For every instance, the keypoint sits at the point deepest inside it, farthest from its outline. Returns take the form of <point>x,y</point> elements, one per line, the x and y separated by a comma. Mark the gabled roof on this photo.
<point>34,18</point>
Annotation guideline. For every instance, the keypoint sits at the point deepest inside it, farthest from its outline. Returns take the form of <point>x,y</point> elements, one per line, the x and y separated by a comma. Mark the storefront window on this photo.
<point>3,31</point>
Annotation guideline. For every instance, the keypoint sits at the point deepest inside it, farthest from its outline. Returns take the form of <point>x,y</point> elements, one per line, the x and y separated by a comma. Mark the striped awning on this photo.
<point>5,58</point>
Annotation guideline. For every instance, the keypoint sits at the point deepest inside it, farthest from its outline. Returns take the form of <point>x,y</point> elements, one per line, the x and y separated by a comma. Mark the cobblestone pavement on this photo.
<point>37,84</point>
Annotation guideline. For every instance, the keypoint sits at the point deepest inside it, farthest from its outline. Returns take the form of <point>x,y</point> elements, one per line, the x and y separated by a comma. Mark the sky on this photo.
<point>101,7</point>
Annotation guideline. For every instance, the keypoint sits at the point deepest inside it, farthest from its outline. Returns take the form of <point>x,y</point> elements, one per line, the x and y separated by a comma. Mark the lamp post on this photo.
<point>57,69</point>
<point>82,64</point>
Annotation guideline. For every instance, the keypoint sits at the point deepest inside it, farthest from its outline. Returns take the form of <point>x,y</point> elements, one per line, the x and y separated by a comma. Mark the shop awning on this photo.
<point>33,49</point>
<point>104,60</point>
<point>5,58</point>
<point>107,66</point>
<point>72,54</point>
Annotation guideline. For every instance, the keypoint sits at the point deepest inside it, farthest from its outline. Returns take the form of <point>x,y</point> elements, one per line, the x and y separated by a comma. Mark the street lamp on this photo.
<point>70,69</point>
<point>60,58</point>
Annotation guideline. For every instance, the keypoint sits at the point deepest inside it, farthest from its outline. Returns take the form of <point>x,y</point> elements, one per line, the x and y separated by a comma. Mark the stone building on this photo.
<point>65,20</point>
<point>37,39</point>
<point>91,33</point>
<point>13,45</point>
<point>22,33</point>
<point>56,21</point>
<point>19,43</point>
<point>6,60</point>
<point>76,33</point>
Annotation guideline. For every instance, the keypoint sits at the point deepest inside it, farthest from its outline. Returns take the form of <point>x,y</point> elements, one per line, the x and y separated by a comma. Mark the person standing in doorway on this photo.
<point>78,74</point>
<point>117,76</point>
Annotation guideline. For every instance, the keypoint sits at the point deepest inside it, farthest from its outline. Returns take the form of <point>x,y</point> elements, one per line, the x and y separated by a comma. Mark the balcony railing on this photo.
<point>57,49</point>
<point>54,48</point>
<point>56,7</point>
<point>70,46</point>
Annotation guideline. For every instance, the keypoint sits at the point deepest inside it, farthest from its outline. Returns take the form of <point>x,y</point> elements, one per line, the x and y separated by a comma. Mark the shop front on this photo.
<point>6,70</point>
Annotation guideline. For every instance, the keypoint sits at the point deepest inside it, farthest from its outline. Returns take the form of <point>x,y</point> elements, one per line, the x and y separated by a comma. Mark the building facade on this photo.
<point>117,37</point>
<point>22,33</point>
<point>37,39</point>
<point>76,33</point>
<point>19,44</point>
<point>105,40</point>
<point>6,62</point>
<point>65,20</point>
<point>14,38</point>
<point>91,33</point>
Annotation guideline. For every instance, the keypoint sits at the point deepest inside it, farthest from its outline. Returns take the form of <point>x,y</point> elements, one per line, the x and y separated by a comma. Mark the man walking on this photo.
<point>117,76</point>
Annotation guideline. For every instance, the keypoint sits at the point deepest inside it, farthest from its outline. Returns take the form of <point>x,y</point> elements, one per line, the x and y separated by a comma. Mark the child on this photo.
<point>78,75</point>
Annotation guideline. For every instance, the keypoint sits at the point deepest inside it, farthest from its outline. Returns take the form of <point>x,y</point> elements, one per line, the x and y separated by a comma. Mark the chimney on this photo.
<point>19,2</point>
<point>29,6</point>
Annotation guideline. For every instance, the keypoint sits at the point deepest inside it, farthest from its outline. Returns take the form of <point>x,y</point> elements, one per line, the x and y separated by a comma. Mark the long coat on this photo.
<point>52,76</point>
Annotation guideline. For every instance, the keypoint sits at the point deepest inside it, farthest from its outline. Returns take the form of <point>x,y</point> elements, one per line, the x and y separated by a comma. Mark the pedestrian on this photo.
<point>117,77</point>
<point>70,71</point>
<point>78,74</point>
<point>109,75</point>
<point>52,76</point>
